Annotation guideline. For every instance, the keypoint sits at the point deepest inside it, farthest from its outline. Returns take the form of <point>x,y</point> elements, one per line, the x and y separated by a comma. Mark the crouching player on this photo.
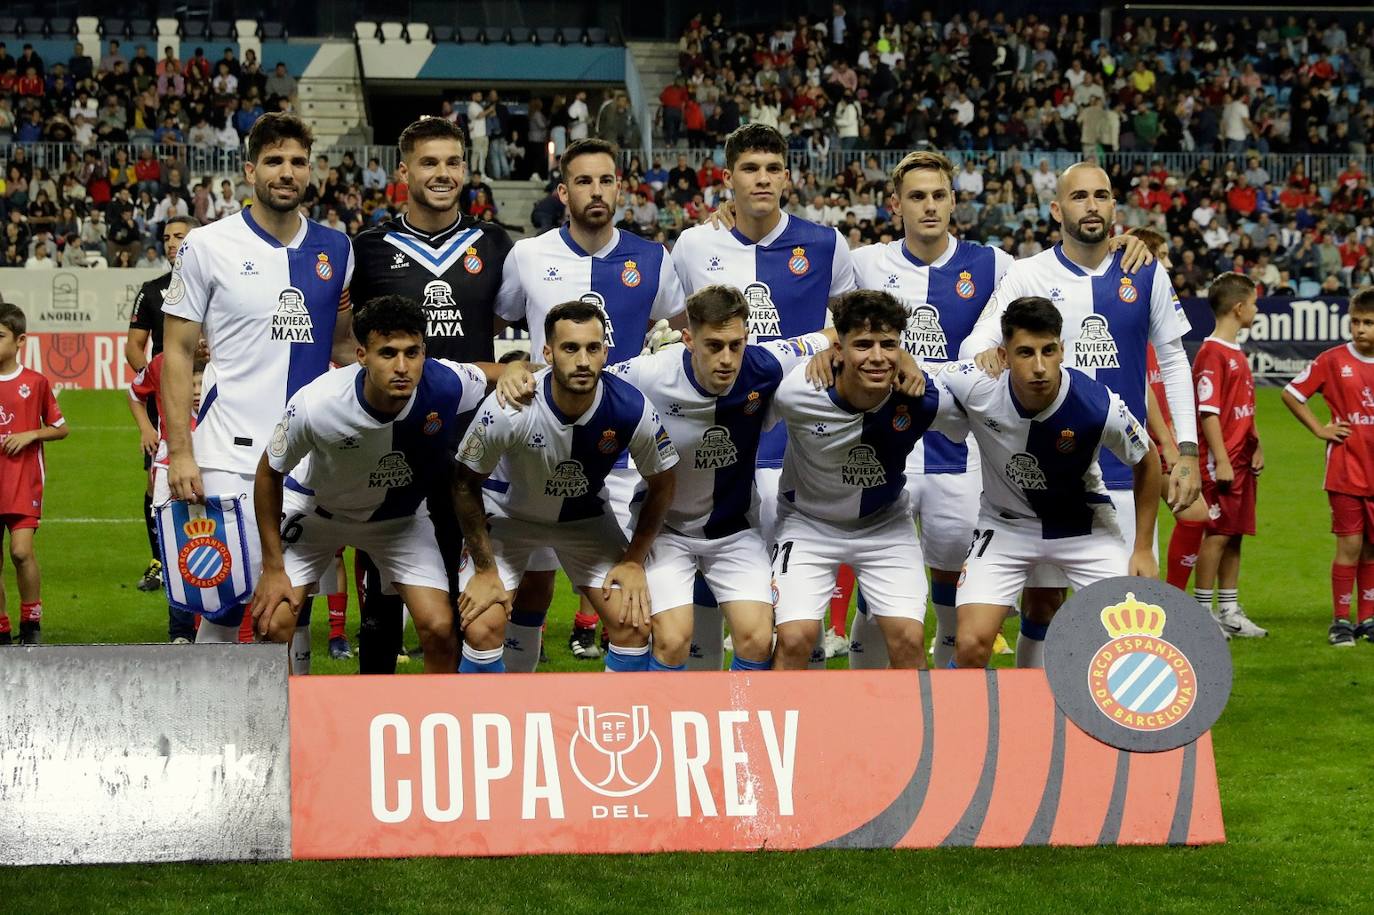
<point>357,451</point>
<point>1039,427</point>
<point>842,496</point>
<point>548,463</point>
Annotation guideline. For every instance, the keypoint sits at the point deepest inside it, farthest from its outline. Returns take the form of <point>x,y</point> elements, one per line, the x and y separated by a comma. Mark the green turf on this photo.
<point>1294,753</point>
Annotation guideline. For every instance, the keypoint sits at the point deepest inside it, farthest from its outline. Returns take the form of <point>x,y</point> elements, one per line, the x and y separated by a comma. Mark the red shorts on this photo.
<point>19,522</point>
<point>1232,510</point>
<point>1351,515</point>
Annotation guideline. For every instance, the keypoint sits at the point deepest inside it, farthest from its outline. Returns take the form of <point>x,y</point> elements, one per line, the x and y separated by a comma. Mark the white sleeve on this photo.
<point>1178,388</point>
<point>188,295</point>
<point>670,301</point>
<point>652,450</point>
<point>680,255</point>
<point>474,384</point>
<point>1168,321</point>
<point>1122,433</point>
<point>348,268</point>
<point>510,298</point>
<point>950,418</point>
<point>842,268</point>
<point>487,438</point>
<point>987,330</point>
<point>634,369</point>
<point>291,440</point>
<point>1001,263</point>
<point>793,351</point>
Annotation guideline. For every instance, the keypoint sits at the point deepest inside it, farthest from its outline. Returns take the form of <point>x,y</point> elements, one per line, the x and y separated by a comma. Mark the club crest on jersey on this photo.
<point>1127,292</point>
<point>1095,348</point>
<point>631,276</point>
<point>568,481</point>
<point>716,449</point>
<point>964,288</point>
<point>607,444</point>
<point>276,445</point>
<point>752,403</point>
<point>1138,679</point>
<point>593,297</point>
<point>432,424</point>
<point>323,269</point>
<point>205,561</point>
<point>392,471</point>
<point>291,321</point>
<point>471,262</point>
<point>1024,470</point>
<point>923,336</point>
<point>763,314</point>
<point>901,419</point>
<point>475,445</point>
<point>25,391</point>
<point>862,468</point>
<point>798,263</point>
<point>1067,442</point>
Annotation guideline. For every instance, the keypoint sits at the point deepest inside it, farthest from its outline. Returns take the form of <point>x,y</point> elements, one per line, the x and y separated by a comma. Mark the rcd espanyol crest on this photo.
<point>615,754</point>
<point>205,561</point>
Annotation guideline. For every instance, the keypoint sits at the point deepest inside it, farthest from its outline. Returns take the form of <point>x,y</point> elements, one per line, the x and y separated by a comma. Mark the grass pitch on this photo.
<point>1294,750</point>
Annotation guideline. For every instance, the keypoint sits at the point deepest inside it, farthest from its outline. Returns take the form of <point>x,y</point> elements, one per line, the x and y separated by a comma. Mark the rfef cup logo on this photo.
<point>615,754</point>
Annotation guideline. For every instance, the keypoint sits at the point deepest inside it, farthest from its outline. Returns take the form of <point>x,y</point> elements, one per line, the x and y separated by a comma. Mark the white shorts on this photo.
<point>403,549</point>
<point>222,483</point>
<point>736,568</point>
<point>586,550</point>
<point>945,505</point>
<point>1004,553</point>
<point>766,480</point>
<point>886,559</point>
<point>1123,503</point>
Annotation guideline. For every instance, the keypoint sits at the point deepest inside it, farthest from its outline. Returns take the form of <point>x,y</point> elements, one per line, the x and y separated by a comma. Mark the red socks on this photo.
<point>1342,584</point>
<point>31,613</point>
<point>4,622</point>
<point>1183,546</point>
<point>338,614</point>
<point>839,599</point>
<point>1366,595</point>
<point>246,634</point>
<point>585,620</point>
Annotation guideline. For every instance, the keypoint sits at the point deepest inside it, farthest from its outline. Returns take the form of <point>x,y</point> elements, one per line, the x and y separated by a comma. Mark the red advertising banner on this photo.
<point>560,763</point>
<point>86,360</point>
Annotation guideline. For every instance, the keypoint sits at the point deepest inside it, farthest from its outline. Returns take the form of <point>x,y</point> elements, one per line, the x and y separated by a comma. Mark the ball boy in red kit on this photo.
<point>1344,376</point>
<point>1230,452</point>
<point>28,417</point>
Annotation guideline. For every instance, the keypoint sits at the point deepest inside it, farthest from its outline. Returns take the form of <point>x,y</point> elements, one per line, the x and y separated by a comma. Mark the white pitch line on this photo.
<point>92,521</point>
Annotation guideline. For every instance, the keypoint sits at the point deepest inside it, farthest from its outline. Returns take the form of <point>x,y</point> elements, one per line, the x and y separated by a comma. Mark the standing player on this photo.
<point>362,447</point>
<point>145,325</point>
<point>1344,376</point>
<point>1040,427</point>
<point>789,270</point>
<point>452,266</point>
<point>629,278</point>
<point>1108,318</point>
<point>29,416</point>
<point>1231,451</point>
<point>842,495</point>
<point>551,460</point>
<point>269,288</point>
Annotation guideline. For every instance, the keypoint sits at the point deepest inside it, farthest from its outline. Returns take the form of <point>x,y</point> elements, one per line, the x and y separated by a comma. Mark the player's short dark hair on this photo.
<point>12,316</point>
<point>576,311</point>
<point>753,138</point>
<point>716,305</point>
<point>868,309</point>
<point>429,128</point>
<point>1152,237</point>
<point>1228,290</point>
<point>1362,299</point>
<point>591,146</point>
<point>273,128</point>
<point>190,221</point>
<point>1034,314</point>
<point>515,355</point>
<point>387,316</point>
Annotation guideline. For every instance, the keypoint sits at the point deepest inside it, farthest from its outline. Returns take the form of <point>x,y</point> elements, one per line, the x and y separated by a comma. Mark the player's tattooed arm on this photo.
<point>484,589</point>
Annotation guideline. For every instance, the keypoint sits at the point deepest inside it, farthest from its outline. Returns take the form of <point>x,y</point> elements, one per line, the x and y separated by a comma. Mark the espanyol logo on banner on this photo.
<point>205,555</point>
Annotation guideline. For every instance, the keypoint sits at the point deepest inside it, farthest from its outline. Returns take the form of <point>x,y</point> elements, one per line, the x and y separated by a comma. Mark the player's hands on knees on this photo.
<point>515,387</point>
<point>821,368</point>
<point>274,588</point>
<point>634,593</point>
<point>482,592</point>
<point>1185,483</point>
<point>1334,432</point>
<point>723,217</point>
<point>910,380</point>
<point>990,361</point>
<point>1136,254</point>
<point>183,478</point>
<point>1143,563</point>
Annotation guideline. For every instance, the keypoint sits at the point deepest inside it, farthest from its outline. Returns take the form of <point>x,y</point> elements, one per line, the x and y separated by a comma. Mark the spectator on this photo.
<point>374,177</point>
<point>40,260</point>
<point>578,116</point>
<point>281,84</point>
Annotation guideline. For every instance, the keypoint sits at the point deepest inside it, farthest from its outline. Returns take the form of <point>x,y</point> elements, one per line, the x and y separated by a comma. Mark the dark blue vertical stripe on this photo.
<point>619,412</point>
<point>1129,324</point>
<point>882,431</point>
<point>309,361</point>
<point>628,306</point>
<point>440,392</point>
<point>733,489</point>
<point>1065,507</point>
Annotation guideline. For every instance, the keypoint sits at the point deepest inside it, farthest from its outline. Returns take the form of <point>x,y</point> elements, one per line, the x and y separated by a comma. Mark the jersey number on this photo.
<point>986,537</point>
<point>786,555</point>
<point>291,531</point>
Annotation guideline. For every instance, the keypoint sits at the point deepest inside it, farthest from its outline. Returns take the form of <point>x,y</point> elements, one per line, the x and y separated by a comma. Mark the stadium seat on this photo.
<point>113,28</point>
<point>441,33</point>
<point>1308,288</point>
<point>61,27</point>
<point>571,34</point>
<point>417,31</point>
<point>193,29</point>
<point>9,26</point>
<point>518,34</point>
<point>598,35</point>
<point>141,28</point>
<point>33,26</point>
<point>364,30</point>
<point>547,35</point>
<point>392,31</point>
<point>471,34</point>
<point>221,29</point>
<point>271,31</point>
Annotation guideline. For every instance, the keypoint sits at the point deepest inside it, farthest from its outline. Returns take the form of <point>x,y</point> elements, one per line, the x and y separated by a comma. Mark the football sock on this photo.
<point>338,615</point>
<point>246,634</point>
<point>627,660</point>
<point>1030,645</point>
<point>584,620</point>
<point>300,651</point>
<point>1184,543</point>
<point>1342,586</point>
<point>867,647</point>
<point>656,664</point>
<point>738,663</point>
<point>1366,598</point>
<point>31,612</point>
<point>839,599</point>
<point>4,622</point>
<point>150,522</point>
<point>942,594</point>
<point>209,631</point>
<point>483,660</point>
<point>817,661</point>
<point>708,638</point>
<point>524,635</point>
<point>1204,598</point>
<point>1227,600</point>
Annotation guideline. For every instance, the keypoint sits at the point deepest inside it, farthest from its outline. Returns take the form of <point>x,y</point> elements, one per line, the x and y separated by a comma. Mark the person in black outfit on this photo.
<point>452,265</point>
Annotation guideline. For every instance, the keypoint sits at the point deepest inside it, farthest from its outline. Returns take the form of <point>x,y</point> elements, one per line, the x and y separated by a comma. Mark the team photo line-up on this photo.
<point>715,433</point>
